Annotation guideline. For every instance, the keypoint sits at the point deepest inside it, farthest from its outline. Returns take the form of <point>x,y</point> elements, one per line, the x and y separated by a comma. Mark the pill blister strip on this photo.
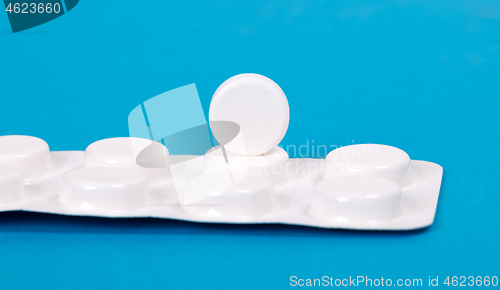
<point>292,199</point>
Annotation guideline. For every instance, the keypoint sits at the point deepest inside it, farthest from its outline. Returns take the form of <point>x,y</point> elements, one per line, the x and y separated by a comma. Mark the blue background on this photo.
<point>423,77</point>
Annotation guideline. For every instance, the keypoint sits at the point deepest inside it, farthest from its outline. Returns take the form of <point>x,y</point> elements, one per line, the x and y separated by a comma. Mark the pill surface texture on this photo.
<point>258,106</point>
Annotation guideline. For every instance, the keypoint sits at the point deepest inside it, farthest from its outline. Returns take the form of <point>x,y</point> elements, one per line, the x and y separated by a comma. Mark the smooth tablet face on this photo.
<point>104,188</point>
<point>368,159</point>
<point>258,106</point>
<point>11,184</point>
<point>29,154</point>
<point>356,197</point>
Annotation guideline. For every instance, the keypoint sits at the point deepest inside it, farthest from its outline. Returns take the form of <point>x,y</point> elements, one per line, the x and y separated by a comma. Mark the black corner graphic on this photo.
<point>70,4</point>
<point>30,13</point>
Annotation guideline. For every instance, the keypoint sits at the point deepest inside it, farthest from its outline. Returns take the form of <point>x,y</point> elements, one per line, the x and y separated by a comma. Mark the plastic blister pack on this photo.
<point>243,178</point>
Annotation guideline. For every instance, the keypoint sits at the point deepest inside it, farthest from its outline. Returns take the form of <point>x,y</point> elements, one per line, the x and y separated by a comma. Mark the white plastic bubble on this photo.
<point>104,188</point>
<point>271,164</point>
<point>11,184</point>
<point>251,197</point>
<point>369,160</point>
<point>146,156</point>
<point>355,197</point>
<point>29,154</point>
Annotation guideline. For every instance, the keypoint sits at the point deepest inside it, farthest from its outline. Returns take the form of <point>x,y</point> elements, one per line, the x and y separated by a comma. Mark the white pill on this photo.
<point>29,154</point>
<point>355,197</point>
<point>104,188</point>
<point>369,160</point>
<point>258,106</point>
<point>146,156</point>
<point>11,184</point>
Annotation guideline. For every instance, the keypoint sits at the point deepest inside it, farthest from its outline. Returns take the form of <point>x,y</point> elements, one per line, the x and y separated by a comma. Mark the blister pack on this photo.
<point>230,170</point>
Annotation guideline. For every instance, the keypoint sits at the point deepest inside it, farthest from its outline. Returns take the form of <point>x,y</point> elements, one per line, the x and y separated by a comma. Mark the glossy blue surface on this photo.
<point>423,77</point>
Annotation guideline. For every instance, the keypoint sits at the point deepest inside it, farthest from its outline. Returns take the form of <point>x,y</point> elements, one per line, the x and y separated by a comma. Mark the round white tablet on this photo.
<point>104,188</point>
<point>355,197</point>
<point>258,106</point>
<point>29,154</point>
<point>11,184</point>
<point>369,160</point>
